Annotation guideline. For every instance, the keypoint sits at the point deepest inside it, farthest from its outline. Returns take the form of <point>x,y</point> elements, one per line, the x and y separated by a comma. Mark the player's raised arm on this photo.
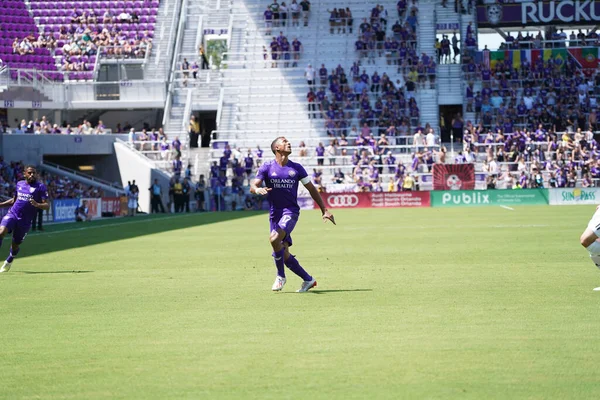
<point>314,193</point>
<point>8,202</point>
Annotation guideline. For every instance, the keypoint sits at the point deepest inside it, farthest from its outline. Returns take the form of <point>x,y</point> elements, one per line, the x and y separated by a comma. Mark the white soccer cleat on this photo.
<point>307,285</point>
<point>278,284</point>
<point>595,289</point>
<point>5,267</point>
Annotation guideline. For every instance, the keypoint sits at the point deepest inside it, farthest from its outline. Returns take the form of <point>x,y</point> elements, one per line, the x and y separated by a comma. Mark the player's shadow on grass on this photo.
<point>67,236</point>
<point>52,272</point>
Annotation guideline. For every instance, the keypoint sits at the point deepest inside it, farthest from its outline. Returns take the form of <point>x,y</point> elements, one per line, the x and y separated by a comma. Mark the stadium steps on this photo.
<point>199,158</point>
<point>427,27</point>
<point>158,62</point>
<point>427,98</point>
<point>217,15</point>
<point>450,84</point>
<point>446,15</point>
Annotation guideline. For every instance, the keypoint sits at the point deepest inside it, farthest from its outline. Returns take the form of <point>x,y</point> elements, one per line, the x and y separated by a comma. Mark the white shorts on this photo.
<point>594,223</point>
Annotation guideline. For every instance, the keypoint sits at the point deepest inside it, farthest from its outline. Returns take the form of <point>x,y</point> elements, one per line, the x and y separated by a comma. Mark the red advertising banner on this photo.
<point>111,205</point>
<point>376,199</point>
<point>400,199</point>
<point>453,177</point>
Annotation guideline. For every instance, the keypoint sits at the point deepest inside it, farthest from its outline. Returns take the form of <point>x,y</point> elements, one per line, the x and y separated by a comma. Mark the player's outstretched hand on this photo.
<point>34,203</point>
<point>263,191</point>
<point>328,216</point>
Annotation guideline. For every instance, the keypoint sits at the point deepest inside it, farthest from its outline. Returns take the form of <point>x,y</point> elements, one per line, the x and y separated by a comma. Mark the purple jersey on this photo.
<point>22,210</point>
<point>19,217</point>
<point>284,182</point>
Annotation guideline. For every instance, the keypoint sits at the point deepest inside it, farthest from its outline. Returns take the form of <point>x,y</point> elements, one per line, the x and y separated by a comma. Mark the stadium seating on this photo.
<point>59,187</point>
<point>45,33</point>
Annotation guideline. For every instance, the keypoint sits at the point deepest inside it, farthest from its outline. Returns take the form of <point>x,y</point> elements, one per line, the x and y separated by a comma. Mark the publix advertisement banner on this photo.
<point>376,199</point>
<point>573,196</point>
<point>476,198</point>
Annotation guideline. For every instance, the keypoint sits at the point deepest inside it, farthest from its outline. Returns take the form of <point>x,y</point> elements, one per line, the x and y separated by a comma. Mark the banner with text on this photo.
<point>111,206</point>
<point>64,210</point>
<point>559,12</point>
<point>376,199</point>
<point>453,177</point>
<point>476,198</point>
<point>573,196</point>
<point>94,207</point>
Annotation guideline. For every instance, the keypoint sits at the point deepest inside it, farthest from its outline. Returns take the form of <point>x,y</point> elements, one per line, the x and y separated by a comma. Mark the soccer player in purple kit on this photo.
<point>281,177</point>
<point>30,196</point>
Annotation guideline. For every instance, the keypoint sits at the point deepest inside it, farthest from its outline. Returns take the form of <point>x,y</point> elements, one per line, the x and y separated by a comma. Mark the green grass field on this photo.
<point>470,303</point>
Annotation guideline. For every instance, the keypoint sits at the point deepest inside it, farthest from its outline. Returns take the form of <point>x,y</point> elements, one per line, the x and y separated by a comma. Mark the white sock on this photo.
<point>594,248</point>
<point>595,259</point>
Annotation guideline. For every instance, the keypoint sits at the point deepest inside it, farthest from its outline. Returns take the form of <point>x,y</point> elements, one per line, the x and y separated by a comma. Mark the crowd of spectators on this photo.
<point>59,187</point>
<point>280,14</point>
<point>283,53</point>
<point>554,38</point>
<point>554,93</point>
<point>372,100</point>
<point>44,126</point>
<point>77,40</point>
<point>399,47</point>
<point>87,32</point>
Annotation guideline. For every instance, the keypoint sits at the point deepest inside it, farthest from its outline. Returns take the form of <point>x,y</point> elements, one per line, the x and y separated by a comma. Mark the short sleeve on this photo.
<point>44,192</point>
<point>262,172</point>
<point>302,175</point>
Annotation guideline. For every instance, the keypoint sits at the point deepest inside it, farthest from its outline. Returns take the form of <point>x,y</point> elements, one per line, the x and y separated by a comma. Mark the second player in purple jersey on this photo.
<point>30,196</point>
<point>281,178</point>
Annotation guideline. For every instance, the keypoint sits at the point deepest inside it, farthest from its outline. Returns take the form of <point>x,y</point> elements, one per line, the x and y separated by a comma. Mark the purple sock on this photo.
<point>278,256</point>
<point>296,268</point>
<point>12,255</point>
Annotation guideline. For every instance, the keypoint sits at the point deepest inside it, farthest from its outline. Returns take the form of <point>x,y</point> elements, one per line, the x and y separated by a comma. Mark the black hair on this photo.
<point>274,142</point>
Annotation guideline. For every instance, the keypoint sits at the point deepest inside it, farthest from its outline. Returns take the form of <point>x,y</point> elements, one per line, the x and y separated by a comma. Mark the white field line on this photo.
<point>508,208</point>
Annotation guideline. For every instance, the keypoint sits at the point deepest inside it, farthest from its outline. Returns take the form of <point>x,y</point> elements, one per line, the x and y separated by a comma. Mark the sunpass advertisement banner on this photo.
<point>477,198</point>
<point>529,13</point>
<point>574,196</point>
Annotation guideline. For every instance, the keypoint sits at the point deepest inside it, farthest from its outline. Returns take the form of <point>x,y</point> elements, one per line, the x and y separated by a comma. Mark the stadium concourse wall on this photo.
<point>460,198</point>
<point>135,166</point>
<point>31,148</point>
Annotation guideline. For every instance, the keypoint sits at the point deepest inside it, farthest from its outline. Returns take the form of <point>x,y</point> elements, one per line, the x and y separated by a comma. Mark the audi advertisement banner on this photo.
<point>376,200</point>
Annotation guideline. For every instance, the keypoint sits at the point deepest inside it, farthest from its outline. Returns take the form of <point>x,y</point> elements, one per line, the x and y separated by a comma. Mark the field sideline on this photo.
<point>412,303</point>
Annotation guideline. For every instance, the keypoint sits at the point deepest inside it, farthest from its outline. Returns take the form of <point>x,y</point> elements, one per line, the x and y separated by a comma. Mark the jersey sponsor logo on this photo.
<point>343,200</point>
<point>278,183</point>
<point>23,197</point>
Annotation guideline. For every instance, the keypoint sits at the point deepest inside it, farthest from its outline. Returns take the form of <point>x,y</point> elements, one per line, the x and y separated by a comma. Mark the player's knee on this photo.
<point>273,237</point>
<point>586,239</point>
<point>2,232</point>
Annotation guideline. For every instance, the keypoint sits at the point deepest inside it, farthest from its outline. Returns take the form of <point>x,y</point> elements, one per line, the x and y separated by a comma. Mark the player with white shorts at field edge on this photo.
<point>590,239</point>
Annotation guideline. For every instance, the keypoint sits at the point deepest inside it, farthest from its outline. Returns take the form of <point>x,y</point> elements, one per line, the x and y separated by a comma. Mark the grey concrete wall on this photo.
<point>32,148</point>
